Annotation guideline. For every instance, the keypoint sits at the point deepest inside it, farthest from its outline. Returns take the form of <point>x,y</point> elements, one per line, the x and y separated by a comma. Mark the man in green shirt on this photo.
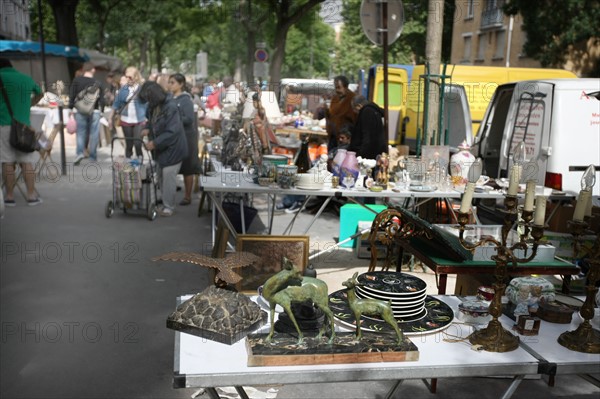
<point>22,92</point>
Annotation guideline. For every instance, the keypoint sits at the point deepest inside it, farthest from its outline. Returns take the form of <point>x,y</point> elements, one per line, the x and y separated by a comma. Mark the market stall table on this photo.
<point>208,364</point>
<point>224,181</point>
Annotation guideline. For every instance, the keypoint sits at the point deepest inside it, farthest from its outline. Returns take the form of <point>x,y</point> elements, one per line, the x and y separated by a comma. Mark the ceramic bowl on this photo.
<point>475,312</point>
<point>265,181</point>
<point>485,293</point>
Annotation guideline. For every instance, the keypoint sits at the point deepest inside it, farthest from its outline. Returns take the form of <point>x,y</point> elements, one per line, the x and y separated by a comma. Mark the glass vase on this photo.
<point>349,170</point>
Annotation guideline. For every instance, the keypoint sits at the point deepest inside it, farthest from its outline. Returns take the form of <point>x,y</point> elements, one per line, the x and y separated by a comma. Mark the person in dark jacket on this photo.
<point>368,137</point>
<point>88,126</point>
<point>184,102</point>
<point>167,138</point>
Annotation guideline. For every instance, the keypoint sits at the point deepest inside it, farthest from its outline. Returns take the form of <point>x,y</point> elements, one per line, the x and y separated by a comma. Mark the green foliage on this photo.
<point>307,54</point>
<point>355,51</point>
<point>47,22</point>
<point>552,26</point>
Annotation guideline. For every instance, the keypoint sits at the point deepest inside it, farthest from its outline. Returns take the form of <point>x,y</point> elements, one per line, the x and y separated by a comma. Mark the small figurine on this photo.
<point>289,286</point>
<point>224,266</point>
<point>381,177</point>
<point>370,307</point>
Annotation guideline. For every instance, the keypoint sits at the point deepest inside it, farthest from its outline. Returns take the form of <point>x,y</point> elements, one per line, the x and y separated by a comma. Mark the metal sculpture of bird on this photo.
<point>223,265</point>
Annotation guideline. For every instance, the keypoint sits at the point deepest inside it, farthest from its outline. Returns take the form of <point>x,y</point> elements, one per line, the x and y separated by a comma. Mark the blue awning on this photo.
<point>49,48</point>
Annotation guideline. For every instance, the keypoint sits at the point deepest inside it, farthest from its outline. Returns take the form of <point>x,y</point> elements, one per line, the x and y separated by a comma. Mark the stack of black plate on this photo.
<point>405,292</point>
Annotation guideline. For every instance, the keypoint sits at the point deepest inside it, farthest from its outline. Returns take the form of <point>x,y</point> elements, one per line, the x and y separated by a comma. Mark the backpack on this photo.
<point>86,99</point>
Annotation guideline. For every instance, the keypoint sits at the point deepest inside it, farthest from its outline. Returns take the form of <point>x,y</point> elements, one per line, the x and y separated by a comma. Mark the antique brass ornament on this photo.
<point>224,266</point>
<point>494,338</point>
<point>585,338</point>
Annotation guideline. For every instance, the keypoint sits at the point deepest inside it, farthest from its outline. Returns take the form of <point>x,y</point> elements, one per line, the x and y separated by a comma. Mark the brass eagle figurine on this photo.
<point>223,265</point>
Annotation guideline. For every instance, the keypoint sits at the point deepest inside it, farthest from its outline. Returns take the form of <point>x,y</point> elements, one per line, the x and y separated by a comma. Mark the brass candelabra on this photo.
<point>585,338</point>
<point>494,338</point>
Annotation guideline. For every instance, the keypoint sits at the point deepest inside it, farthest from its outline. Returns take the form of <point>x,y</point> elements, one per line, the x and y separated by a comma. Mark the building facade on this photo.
<point>483,35</point>
<point>14,20</point>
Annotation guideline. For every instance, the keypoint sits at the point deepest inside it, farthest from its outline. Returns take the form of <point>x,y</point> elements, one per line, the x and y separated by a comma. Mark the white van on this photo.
<point>559,120</point>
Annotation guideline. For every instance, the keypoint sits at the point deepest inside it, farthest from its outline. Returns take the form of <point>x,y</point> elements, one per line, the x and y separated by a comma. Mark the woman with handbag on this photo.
<point>130,112</point>
<point>18,93</point>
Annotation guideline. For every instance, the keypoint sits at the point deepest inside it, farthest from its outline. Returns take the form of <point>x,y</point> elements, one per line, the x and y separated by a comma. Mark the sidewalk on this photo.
<point>83,306</point>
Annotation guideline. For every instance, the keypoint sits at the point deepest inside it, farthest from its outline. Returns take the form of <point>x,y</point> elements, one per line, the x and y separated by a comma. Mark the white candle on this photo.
<point>540,210</point>
<point>529,195</point>
<point>513,179</point>
<point>588,208</point>
<point>582,203</point>
<point>465,205</point>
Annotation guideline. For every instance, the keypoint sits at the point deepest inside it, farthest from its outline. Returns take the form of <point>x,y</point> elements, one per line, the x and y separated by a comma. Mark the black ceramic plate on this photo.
<point>392,283</point>
<point>436,316</point>
<point>409,301</point>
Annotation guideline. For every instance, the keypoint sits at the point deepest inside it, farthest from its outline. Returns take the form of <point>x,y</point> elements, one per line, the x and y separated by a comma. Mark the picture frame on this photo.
<point>271,249</point>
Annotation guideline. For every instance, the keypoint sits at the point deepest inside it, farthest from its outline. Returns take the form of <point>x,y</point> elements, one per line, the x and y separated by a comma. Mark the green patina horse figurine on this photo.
<point>289,286</point>
<point>370,307</point>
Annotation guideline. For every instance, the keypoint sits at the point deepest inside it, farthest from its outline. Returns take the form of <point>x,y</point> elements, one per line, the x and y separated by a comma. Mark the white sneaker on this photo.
<point>294,208</point>
<point>78,160</point>
<point>165,212</point>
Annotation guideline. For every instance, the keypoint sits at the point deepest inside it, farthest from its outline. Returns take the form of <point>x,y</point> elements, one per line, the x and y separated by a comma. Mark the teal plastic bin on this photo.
<point>350,215</point>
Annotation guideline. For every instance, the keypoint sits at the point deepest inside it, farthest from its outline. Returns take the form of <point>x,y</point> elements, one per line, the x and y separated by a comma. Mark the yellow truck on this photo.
<point>468,91</point>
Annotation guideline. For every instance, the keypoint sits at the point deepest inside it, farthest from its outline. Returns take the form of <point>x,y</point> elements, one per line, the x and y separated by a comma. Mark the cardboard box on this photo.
<point>563,242</point>
<point>363,246</point>
<point>564,213</point>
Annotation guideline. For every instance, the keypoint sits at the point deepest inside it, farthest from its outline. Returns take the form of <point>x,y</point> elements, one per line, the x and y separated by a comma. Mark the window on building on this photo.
<point>500,44</point>
<point>481,46</point>
<point>467,47</point>
<point>470,9</point>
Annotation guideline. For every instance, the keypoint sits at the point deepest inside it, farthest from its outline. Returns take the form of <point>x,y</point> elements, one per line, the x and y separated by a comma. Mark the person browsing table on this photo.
<point>167,138</point>
<point>132,111</point>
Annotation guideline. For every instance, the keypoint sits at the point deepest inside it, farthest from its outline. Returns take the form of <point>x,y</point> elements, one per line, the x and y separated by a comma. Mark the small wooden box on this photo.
<point>555,312</point>
<point>527,325</point>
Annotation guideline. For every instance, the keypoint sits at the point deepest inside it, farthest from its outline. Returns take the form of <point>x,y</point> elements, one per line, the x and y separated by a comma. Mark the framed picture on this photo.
<point>271,249</point>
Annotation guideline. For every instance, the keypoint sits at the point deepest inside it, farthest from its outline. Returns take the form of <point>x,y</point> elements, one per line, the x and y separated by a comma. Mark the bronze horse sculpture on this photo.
<point>289,286</point>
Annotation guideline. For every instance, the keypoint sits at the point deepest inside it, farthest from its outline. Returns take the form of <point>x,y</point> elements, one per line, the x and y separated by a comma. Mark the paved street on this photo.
<point>83,307</point>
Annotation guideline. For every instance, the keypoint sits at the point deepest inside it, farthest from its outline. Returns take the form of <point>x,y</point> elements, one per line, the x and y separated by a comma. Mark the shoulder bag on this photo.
<point>85,100</point>
<point>22,137</point>
<point>117,115</point>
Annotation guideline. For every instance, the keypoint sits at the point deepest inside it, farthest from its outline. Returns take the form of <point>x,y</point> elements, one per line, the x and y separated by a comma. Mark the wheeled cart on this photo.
<point>134,188</point>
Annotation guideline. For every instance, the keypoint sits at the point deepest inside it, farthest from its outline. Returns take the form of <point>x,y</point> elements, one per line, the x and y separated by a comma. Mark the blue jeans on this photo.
<point>88,126</point>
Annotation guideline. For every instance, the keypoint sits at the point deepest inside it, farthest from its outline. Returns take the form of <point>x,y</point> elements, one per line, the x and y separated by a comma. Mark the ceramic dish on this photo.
<point>392,283</point>
<point>309,187</point>
<point>436,316</point>
<point>405,315</point>
<point>423,189</point>
<point>404,301</point>
<point>476,312</point>
<point>398,306</point>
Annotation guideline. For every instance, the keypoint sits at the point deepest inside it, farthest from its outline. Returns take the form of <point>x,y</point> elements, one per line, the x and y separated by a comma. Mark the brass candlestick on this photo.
<point>494,338</point>
<point>585,338</point>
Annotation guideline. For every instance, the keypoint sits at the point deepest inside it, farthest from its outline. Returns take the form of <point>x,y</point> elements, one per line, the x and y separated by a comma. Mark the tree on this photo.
<point>64,18</point>
<point>288,13</point>
<point>554,27</point>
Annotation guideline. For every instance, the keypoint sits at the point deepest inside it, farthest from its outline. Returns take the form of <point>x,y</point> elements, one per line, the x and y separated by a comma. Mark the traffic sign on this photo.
<point>261,55</point>
<point>371,19</point>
